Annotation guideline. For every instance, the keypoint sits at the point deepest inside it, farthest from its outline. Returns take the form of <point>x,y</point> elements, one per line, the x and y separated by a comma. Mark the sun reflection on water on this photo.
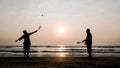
<point>61,49</point>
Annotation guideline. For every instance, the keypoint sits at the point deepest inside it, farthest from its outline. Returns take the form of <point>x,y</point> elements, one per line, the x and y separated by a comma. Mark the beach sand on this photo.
<point>59,62</point>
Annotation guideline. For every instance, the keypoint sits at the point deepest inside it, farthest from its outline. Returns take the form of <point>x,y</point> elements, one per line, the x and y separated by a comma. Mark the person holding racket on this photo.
<point>27,42</point>
<point>88,42</point>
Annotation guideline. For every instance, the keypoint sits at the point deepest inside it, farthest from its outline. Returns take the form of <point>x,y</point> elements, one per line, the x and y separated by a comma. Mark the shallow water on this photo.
<point>60,51</point>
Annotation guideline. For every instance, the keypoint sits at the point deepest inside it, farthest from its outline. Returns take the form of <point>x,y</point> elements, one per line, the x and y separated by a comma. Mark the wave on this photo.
<point>66,51</point>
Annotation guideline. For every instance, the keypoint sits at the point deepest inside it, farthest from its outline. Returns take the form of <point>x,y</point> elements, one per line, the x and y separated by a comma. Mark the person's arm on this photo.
<point>84,40</point>
<point>32,32</point>
<point>19,38</point>
<point>35,31</point>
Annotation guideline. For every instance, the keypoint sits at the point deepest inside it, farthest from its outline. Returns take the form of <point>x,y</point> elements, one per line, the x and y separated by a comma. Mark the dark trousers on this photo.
<point>26,50</point>
<point>89,49</point>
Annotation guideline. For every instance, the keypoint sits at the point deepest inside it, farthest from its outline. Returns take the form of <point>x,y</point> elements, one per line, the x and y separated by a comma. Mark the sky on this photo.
<point>64,22</point>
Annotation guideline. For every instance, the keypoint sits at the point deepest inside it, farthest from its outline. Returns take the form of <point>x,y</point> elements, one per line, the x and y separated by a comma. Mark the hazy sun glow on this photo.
<point>61,30</point>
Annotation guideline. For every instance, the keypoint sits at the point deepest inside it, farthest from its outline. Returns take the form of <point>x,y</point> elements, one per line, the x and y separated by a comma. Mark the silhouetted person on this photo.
<point>27,42</point>
<point>88,42</point>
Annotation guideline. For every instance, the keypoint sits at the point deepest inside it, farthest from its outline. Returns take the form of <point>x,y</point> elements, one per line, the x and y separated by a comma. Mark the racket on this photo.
<point>39,28</point>
<point>79,42</point>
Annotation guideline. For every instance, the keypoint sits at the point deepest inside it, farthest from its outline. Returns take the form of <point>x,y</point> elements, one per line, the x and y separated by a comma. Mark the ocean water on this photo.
<point>60,51</point>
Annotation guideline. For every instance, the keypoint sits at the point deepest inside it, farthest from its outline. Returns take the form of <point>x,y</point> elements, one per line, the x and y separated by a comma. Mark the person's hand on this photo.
<point>40,27</point>
<point>83,40</point>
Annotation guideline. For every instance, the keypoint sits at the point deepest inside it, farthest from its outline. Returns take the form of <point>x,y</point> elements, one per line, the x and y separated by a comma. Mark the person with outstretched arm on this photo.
<point>27,42</point>
<point>88,42</point>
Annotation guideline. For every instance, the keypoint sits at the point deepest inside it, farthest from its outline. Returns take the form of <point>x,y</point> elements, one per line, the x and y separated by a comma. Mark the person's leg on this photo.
<point>24,51</point>
<point>89,50</point>
<point>28,50</point>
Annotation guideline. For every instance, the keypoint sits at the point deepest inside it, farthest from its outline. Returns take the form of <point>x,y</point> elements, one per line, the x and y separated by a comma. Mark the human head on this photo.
<point>25,31</point>
<point>88,30</point>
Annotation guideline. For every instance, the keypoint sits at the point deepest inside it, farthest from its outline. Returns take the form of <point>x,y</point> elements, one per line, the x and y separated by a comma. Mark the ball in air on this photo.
<point>41,14</point>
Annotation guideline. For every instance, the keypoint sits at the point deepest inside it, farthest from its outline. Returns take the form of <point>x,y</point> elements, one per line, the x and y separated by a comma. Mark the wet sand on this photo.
<point>60,62</point>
